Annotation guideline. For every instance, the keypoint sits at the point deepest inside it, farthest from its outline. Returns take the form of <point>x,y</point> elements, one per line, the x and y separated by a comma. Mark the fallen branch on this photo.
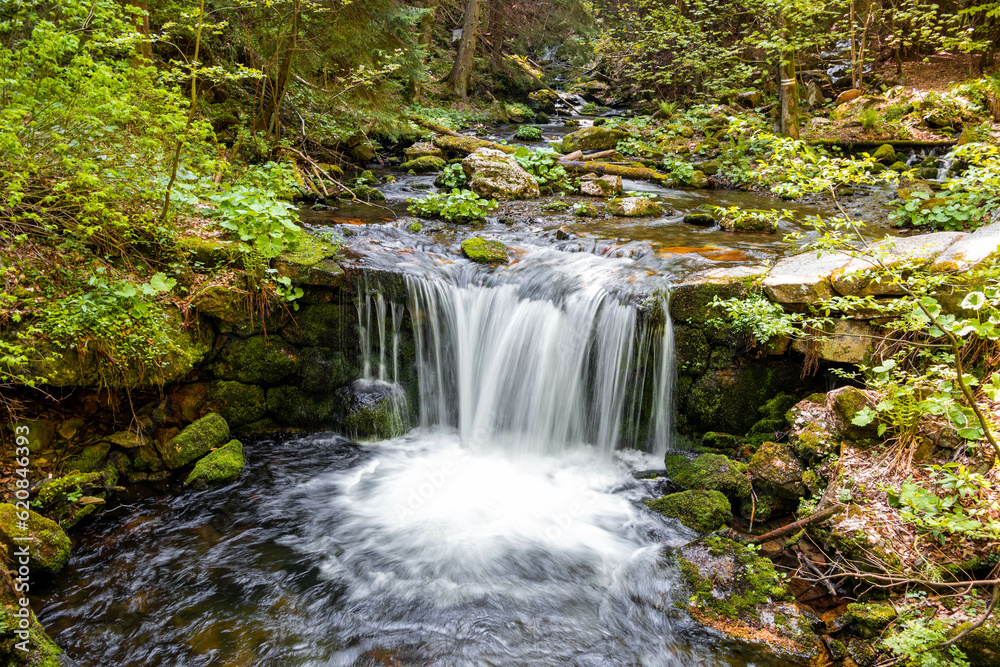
<point>575,155</point>
<point>640,173</point>
<point>597,156</point>
<point>801,523</point>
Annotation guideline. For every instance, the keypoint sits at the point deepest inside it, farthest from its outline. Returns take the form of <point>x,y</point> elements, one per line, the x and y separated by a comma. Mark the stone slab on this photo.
<point>803,278</point>
<point>856,278</point>
<point>971,252</point>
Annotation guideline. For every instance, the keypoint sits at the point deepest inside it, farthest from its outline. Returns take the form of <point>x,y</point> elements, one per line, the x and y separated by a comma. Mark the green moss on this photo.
<point>846,403</point>
<point>871,618</point>
<point>585,210</point>
<point>485,251</point>
<point>592,139</point>
<point>982,645</point>
<point>209,253</point>
<point>424,164</point>
<point>321,325</point>
<point>709,472</point>
<point>754,580</point>
<point>703,511</point>
<point>414,227</point>
<point>238,403</point>
<point>256,360</point>
<point>323,369</point>
<point>557,205</point>
<point>861,652</point>
<point>721,441</point>
<point>41,651</point>
<point>53,496</point>
<point>381,419</point>
<point>692,349</point>
<point>813,442</point>
<point>777,407</point>
<point>220,466</point>
<point>766,507</point>
<point>777,471</point>
<point>885,154</point>
<point>48,545</point>
<point>89,458</point>
<point>290,406</point>
<point>195,441</point>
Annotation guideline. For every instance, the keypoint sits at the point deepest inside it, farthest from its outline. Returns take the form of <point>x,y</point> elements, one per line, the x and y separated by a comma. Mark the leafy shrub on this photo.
<point>453,176</point>
<point>679,168</point>
<point>762,321</point>
<point>870,119</point>
<point>541,164</point>
<point>456,206</point>
<point>528,133</point>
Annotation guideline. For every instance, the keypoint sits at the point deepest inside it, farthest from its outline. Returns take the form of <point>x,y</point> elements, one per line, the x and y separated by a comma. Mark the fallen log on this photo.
<point>596,156</point>
<point>575,155</point>
<point>636,173</point>
<point>802,523</point>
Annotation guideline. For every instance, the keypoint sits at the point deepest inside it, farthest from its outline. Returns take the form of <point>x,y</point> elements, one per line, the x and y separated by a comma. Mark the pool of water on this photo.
<point>414,551</point>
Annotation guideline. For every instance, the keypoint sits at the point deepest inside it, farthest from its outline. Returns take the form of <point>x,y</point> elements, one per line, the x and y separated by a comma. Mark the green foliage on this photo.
<point>528,133</point>
<point>916,641</point>
<point>966,201</point>
<point>870,119</point>
<point>542,164</point>
<point>456,206</point>
<point>453,176</point>
<point>679,168</point>
<point>762,321</point>
<point>735,218</point>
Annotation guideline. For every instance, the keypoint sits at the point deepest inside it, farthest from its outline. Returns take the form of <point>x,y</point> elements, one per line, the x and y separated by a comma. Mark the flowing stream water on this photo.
<point>505,529</point>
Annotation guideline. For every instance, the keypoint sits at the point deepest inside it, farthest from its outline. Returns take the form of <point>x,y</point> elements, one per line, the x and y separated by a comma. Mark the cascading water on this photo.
<point>504,530</point>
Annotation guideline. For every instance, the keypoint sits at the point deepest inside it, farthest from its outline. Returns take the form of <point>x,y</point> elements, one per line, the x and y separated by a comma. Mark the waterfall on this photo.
<point>534,364</point>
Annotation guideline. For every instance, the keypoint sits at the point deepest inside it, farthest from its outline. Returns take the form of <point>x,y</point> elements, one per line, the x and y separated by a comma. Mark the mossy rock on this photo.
<point>48,545</point>
<point>238,403</point>
<point>73,497</point>
<point>230,309</point>
<point>592,139</point>
<point>195,441</point>
<point>291,406</point>
<point>40,650</point>
<point>210,253</point>
<point>846,403</point>
<point>871,618</point>
<point>709,472</point>
<point>692,349</point>
<point>721,441</point>
<point>778,471</point>
<point>813,442</point>
<point>982,645</point>
<point>89,458</point>
<point>885,154</point>
<point>586,210</point>
<point>256,360</point>
<point>634,207</point>
<point>485,251</point>
<point>701,511</point>
<point>862,652</point>
<point>700,219</point>
<point>777,407</point>
<point>765,508</point>
<point>221,466</point>
<point>324,369</point>
<point>424,164</point>
<point>321,325</point>
<point>557,205</point>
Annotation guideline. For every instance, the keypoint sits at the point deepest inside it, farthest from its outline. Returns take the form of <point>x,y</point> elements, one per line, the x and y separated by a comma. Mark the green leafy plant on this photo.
<point>870,119</point>
<point>679,168</point>
<point>542,164</point>
<point>456,206</point>
<point>762,321</point>
<point>452,177</point>
<point>528,133</point>
<point>916,643</point>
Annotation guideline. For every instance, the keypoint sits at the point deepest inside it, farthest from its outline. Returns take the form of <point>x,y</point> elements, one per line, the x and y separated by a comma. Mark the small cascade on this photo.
<point>944,167</point>
<point>534,364</point>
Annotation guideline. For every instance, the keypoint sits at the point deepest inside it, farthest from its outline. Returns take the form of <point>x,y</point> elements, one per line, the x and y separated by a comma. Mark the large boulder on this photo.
<point>219,466</point>
<point>592,139</point>
<point>803,279</point>
<point>635,207</point>
<point>739,594</point>
<point>605,186</point>
<point>375,409</point>
<point>494,174</point>
<point>701,511</point>
<point>778,471</point>
<point>195,441</point>
<point>970,252</point>
<point>256,360</point>
<point>485,251</point>
<point>47,543</point>
<point>709,472</point>
<point>860,276</point>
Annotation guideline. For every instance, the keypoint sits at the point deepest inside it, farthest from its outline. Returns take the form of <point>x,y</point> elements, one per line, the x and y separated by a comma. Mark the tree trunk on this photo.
<point>788,91</point>
<point>496,27</point>
<point>854,51</point>
<point>144,48</point>
<point>461,73</point>
<point>426,27</point>
<point>271,121</point>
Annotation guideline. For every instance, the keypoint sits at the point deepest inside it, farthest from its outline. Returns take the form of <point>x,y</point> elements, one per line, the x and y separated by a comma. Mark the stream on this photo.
<point>505,528</point>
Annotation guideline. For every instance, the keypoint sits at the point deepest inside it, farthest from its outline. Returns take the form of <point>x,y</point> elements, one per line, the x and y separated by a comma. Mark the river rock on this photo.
<point>970,252</point>
<point>592,139</point>
<point>803,279</point>
<point>709,472</point>
<point>847,96</point>
<point>218,467</point>
<point>48,544</point>
<point>635,207</point>
<point>195,441</point>
<point>424,164</point>
<point>543,100</point>
<point>846,341</point>
<point>256,360</point>
<point>700,219</point>
<point>738,593</point>
<point>778,471</point>
<point>494,174</point>
<point>374,409</point>
<point>858,276</point>
<point>701,511</point>
<point>605,186</point>
<point>485,251</point>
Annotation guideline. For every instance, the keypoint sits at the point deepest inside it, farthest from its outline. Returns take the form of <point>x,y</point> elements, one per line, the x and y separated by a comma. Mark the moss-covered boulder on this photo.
<point>195,441</point>
<point>592,139</point>
<point>238,403</point>
<point>739,593</point>
<point>871,618</point>
<point>709,472</point>
<point>23,642</point>
<point>89,458</point>
<point>813,442</point>
<point>982,645</point>
<point>485,251</point>
<point>585,210</point>
<point>494,174</point>
<point>885,154</point>
<point>424,164</point>
<point>634,207</point>
<point>328,325</point>
<point>375,409</point>
<point>209,253</point>
<point>218,467</point>
<point>701,511</point>
<point>422,149</point>
<point>73,497</point>
<point>605,186</point>
<point>292,406</point>
<point>47,543</point>
<point>231,309</point>
<point>845,403</point>
<point>257,360</point>
<point>777,470</point>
